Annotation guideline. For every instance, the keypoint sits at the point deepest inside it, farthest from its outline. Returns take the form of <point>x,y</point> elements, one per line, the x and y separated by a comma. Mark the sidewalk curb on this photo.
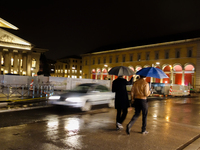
<point>21,109</point>
<point>193,144</point>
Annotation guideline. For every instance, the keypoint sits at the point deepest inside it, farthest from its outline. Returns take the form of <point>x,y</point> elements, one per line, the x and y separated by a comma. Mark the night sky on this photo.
<point>76,27</point>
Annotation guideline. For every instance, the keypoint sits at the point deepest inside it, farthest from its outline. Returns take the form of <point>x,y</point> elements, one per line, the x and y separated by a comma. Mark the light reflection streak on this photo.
<point>72,126</point>
<point>167,118</point>
<point>155,115</point>
<point>52,129</point>
<point>51,124</point>
<point>74,141</point>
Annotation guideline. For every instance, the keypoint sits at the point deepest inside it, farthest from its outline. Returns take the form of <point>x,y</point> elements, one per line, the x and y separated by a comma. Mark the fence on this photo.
<point>9,91</point>
<point>39,86</point>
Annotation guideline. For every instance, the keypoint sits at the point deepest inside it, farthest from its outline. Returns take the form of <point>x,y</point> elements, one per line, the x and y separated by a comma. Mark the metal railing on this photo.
<point>15,90</point>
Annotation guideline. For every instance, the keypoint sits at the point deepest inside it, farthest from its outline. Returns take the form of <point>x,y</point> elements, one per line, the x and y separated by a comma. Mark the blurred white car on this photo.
<point>84,96</point>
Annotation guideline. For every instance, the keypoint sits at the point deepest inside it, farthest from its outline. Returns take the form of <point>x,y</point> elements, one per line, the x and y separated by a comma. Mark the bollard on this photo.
<point>22,91</point>
<point>41,91</point>
<point>33,91</point>
<point>38,90</point>
<point>8,93</point>
<point>28,91</point>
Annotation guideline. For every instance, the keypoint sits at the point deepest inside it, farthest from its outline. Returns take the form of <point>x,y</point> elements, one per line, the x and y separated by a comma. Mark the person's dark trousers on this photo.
<point>121,115</point>
<point>140,105</point>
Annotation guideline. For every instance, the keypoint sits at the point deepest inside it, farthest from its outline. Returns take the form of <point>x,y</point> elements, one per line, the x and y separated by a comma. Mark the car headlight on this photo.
<point>73,99</point>
<point>54,97</point>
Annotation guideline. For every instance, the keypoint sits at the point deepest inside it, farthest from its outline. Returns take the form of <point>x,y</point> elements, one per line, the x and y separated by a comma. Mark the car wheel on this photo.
<point>86,107</point>
<point>111,103</point>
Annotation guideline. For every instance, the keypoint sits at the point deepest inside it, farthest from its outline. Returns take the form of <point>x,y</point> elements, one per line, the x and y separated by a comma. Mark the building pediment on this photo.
<point>8,39</point>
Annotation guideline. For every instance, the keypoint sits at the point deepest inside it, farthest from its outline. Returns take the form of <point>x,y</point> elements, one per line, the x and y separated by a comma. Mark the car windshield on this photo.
<point>81,88</point>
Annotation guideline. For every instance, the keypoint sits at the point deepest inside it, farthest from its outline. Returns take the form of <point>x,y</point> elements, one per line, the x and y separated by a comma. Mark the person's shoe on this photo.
<point>128,129</point>
<point>119,125</point>
<point>145,132</point>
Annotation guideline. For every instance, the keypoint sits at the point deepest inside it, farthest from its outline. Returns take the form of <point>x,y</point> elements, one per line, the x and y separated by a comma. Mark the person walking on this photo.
<point>121,99</point>
<point>139,93</point>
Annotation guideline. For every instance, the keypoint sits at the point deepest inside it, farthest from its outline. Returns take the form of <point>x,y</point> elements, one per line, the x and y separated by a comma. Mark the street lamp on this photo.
<point>157,63</point>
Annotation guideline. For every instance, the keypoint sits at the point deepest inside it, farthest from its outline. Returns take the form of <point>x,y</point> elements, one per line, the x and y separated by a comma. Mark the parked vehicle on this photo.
<point>164,89</point>
<point>84,96</point>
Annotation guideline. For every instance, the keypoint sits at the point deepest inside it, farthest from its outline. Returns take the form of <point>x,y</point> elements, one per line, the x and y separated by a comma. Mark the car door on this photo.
<point>102,94</point>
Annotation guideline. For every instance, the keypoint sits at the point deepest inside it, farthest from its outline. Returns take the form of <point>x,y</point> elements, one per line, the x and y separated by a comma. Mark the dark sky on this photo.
<point>76,27</point>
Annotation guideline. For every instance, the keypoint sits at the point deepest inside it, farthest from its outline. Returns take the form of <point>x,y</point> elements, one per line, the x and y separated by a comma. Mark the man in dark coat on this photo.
<point>121,99</point>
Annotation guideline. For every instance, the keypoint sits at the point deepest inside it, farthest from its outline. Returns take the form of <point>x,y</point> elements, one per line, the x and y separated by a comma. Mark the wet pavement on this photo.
<point>96,130</point>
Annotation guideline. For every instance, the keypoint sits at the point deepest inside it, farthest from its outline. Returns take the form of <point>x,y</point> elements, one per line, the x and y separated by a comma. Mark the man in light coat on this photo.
<point>139,93</point>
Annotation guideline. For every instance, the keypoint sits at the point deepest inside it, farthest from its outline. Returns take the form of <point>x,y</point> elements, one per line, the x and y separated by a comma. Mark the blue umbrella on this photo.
<point>152,72</point>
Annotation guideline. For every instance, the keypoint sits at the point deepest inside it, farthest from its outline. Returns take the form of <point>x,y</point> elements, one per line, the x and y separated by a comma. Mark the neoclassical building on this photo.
<point>180,60</point>
<point>70,67</point>
<point>17,55</point>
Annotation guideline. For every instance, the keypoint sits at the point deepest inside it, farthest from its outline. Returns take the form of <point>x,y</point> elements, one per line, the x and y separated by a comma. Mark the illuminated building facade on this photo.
<point>180,60</point>
<point>16,54</point>
<point>70,67</point>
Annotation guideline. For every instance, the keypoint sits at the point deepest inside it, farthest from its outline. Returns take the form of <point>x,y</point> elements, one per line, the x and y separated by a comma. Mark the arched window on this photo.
<point>33,63</point>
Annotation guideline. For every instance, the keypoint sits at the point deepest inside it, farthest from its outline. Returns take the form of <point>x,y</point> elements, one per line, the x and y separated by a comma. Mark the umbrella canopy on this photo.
<point>121,71</point>
<point>152,72</point>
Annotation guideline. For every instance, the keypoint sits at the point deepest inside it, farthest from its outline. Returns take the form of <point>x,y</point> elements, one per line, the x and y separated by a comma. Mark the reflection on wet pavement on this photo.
<point>182,110</point>
<point>171,123</point>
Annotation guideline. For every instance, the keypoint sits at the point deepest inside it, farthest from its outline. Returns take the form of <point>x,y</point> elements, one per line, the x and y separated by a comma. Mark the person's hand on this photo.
<point>132,103</point>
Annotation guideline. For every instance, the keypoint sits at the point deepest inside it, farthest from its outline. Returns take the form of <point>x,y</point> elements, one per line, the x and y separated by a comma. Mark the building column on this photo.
<point>101,76</point>
<point>183,77</point>
<point>19,67</point>
<point>172,77</point>
<point>194,79</point>
<point>151,79</point>
<point>9,60</point>
<point>96,75</point>
<point>161,80</point>
<point>24,63</point>
<point>28,67</point>
<point>0,58</point>
<point>16,61</point>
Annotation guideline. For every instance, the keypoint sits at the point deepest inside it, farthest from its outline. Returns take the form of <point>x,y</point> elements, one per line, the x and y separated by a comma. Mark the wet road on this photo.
<point>180,110</point>
<point>172,123</point>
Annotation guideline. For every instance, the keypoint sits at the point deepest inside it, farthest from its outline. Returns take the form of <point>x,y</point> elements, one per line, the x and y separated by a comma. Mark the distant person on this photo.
<point>121,99</point>
<point>139,93</point>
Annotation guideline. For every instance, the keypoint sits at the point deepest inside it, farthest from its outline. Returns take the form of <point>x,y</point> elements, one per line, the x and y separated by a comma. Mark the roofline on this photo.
<point>146,46</point>
<point>8,24</point>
